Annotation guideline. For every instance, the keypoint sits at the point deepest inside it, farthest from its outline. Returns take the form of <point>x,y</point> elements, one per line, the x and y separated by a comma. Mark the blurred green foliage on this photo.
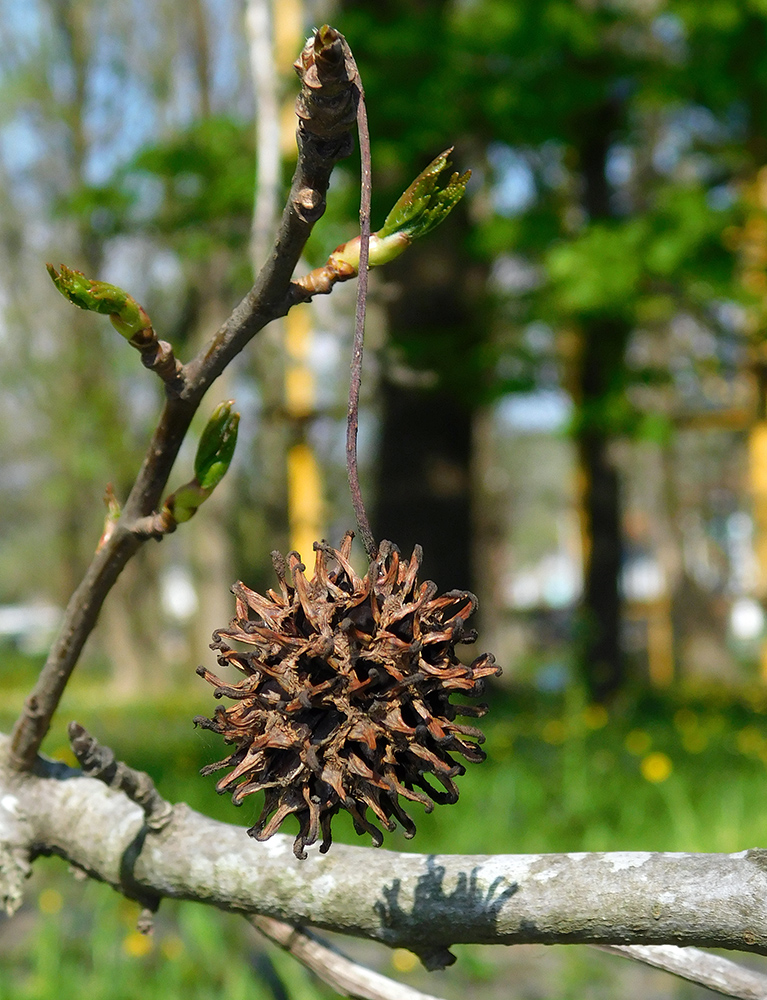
<point>558,93</point>
<point>194,187</point>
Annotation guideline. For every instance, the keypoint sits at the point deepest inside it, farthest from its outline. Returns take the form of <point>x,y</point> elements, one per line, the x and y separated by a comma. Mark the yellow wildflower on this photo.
<point>50,901</point>
<point>595,716</point>
<point>656,767</point>
<point>136,944</point>
<point>403,960</point>
<point>750,741</point>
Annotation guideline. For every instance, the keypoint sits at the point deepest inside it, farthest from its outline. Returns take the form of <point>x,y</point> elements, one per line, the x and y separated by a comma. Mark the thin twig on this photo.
<point>323,139</point>
<point>352,419</point>
<point>712,971</point>
<point>339,972</point>
<point>99,762</point>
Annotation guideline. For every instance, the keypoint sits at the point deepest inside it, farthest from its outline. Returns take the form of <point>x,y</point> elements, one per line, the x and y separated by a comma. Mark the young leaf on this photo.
<point>429,199</point>
<point>127,316</point>
<point>216,447</point>
<point>214,455</point>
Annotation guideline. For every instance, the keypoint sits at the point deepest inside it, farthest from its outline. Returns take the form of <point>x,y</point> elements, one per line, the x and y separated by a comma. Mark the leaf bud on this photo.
<point>428,201</point>
<point>216,447</point>
<point>127,316</point>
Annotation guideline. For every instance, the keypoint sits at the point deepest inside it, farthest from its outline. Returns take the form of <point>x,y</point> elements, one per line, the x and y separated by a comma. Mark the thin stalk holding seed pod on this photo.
<point>427,201</point>
<point>355,380</point>
<point>345,702</point>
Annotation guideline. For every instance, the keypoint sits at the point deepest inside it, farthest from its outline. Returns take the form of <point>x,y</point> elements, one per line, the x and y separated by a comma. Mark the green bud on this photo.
<point>214,455</point>
<point>113,515</point>
<point>183,504</point>
<point>216,447</point>
<point>429,199</point>
<point>382,250</point>
<point>127,316</point>
<point>111,503</point>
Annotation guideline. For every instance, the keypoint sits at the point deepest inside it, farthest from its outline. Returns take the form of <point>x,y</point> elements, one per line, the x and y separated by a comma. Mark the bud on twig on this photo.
<point>113,515</point>
<point>216,447</point>
<point>127,316</point>
<point>214,455</point>
<point>429,199</point>
<point>326,105</point>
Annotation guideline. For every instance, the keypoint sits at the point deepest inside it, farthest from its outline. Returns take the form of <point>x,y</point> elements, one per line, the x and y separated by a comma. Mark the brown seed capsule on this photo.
<point>345,701</point>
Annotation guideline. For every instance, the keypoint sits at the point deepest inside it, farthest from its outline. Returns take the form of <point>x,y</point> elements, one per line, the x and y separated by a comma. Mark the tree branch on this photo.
<point>333,968</point>
<point>423,903</point>
<point>712,971</point>
<point>326,109</point>
<point>326,112</point>
<point>99,762</point>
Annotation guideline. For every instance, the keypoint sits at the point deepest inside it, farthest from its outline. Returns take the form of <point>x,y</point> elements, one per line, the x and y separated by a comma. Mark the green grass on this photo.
<point>659,774</point>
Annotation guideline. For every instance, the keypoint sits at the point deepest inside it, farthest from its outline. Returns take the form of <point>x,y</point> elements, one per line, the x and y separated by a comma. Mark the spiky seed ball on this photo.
<point>345,701</point>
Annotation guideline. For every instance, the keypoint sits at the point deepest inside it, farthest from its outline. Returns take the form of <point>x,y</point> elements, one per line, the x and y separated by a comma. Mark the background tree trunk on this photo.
<point>600,377</point>
<point>424,484</point>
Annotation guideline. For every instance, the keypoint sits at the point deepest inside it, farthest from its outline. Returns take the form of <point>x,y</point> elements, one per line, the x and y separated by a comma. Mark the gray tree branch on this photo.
<point>424,903</point>
<point>347,977</point>
<point>712,971</point>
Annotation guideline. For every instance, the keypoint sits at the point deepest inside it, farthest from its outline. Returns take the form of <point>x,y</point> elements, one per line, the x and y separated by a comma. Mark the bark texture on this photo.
<point>422,902</point>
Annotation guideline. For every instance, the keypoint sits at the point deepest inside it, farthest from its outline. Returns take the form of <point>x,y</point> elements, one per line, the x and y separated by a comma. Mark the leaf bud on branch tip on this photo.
<point>427,202</point>
<point>127,316</point>
<point>214,455</point>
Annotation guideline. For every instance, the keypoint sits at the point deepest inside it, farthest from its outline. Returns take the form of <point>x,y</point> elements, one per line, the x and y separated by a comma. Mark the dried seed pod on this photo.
<point>345,701</point>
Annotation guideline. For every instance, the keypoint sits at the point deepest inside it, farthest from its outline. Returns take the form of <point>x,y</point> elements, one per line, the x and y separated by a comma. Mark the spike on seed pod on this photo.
<point>345,702</point>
